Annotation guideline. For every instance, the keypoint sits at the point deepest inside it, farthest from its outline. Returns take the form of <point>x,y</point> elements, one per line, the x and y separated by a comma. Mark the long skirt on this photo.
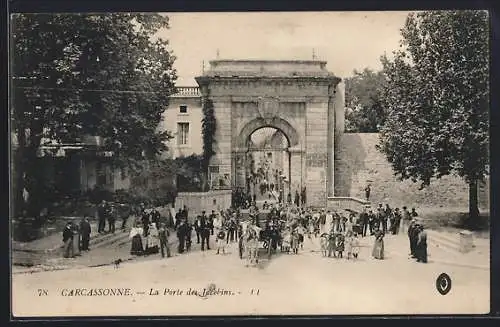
<point>421,252</point>
<point>378,250</point>
<point>76,244</point>
<point>152,249</point>
<point>68,249</point>
<point>137,248</point>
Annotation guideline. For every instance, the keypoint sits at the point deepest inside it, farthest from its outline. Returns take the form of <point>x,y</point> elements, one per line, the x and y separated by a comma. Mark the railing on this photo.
<point>187,91</point>
<point>346,203</point>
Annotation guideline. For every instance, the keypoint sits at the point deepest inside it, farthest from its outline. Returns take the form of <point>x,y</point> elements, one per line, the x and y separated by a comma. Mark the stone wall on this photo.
<point>358,162</point>
<point>196,202</point>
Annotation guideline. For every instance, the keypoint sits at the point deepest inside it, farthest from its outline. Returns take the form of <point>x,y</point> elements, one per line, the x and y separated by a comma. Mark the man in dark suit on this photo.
<point>185,213</point>
<point>367,192</point>
<point>85,231</point>
<point>364,222</point>
<point>178,218</point>
<point>211,220</point>
<point>155,217</point>
<point>112,218</point>
<point>182,231</point>
<point>68,240</point>
<point>197,228</point>
<point>163,235</point>
<point>204,230</point>
<point>102,216</point>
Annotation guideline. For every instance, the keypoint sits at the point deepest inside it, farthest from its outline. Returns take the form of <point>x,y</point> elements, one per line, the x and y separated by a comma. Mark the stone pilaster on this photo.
<point>296,169</point>
<point>222,157</point>
<point>316,152</point>
<point>239,163</point>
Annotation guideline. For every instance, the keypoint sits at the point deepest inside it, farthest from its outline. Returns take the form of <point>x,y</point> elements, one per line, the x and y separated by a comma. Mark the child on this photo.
<point>220,241</point>
<point>348,244</point>
<point>188,237</point>
<point>355,246</point>
<point>340,245</point>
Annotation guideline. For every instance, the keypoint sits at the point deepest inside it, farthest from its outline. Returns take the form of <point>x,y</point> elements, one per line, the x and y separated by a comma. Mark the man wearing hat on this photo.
<point>68,240</point>
<point>182,234</point>
<point>163,234</point>
<point>85,230</point>
<point>381,217</point>
<point>363,217</point>
<point>421,244</point>
<point>412,229</point>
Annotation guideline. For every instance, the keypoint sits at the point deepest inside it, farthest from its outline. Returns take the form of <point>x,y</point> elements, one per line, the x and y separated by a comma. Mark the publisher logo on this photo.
<point>443,284</point>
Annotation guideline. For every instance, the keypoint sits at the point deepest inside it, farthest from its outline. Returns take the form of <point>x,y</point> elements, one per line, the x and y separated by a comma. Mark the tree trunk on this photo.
<point>473,204</point>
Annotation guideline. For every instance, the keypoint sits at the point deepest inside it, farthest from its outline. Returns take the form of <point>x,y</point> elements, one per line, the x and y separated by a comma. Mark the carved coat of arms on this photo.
<point>269,107</point>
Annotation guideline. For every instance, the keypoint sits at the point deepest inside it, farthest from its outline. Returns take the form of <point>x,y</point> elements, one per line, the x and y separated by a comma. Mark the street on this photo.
<point>287,284</point>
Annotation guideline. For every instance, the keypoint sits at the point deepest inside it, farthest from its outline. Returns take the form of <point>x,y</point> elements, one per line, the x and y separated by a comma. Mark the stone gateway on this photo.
<point>301,99</point>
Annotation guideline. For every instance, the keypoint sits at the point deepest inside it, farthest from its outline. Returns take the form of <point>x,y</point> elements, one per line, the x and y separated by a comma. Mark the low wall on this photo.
<point>340,204</point>
<point>196,202</point>
<point>358,162</point>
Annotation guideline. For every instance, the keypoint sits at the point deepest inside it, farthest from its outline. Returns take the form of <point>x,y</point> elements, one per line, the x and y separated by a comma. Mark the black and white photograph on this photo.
<point>249,163</point>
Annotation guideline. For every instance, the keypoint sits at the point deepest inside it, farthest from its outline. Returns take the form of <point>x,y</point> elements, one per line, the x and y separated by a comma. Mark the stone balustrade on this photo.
<point>187,91</point>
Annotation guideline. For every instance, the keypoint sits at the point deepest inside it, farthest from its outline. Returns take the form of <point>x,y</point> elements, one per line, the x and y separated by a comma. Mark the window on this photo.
<point>182,133</point>
<point>183,109</point>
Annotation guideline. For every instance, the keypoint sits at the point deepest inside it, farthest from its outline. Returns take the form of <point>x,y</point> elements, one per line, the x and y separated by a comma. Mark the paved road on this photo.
<point>287,284</point>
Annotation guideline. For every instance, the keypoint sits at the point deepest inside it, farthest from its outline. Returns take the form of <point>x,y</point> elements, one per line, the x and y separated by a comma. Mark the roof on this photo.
<point>269,68</point>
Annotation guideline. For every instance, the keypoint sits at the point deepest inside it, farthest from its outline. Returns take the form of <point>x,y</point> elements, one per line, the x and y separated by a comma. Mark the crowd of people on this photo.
<point>284,225</point>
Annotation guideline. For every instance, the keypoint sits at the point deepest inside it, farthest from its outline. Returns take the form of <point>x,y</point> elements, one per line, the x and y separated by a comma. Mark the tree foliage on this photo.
<point>364,110</point>
<point>82,74</point>
<point>437,99</point>
<point>208,131</point>
<point>209,126</point>
<point>155,181</point>
<point>190,174</point>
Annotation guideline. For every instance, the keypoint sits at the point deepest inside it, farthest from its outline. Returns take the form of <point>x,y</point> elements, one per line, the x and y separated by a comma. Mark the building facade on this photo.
<point>183,118</point>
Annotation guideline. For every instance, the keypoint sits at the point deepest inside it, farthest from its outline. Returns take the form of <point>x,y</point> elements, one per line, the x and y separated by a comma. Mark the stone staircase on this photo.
<point>450,242</point>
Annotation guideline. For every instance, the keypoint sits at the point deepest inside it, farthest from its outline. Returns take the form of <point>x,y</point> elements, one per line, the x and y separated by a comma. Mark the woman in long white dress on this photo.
<point>251,240</point>
<point>136,237</point>
<point>152,240</point>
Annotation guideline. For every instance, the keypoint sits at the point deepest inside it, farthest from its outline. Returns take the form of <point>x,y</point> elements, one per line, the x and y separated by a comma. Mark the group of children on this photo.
<point>336,243</point>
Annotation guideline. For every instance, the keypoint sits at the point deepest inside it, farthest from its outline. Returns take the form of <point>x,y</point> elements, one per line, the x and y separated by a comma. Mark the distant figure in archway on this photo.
<point>303,196</point>
<point>367,192</point>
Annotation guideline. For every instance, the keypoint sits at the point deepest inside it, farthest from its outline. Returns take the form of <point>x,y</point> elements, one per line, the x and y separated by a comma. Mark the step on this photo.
<point>444,241</point>
<point>99,238</point>
<point>112,240</point>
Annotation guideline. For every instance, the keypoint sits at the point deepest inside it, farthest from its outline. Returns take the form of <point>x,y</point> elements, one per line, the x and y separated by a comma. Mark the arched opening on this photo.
<point>267,168</point>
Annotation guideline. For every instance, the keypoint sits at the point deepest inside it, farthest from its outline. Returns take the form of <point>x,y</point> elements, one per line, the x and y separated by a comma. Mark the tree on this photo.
<point>156,181</point>
<point>209,126</point>
<point>437,99</point>
<point>364,112</point>
<point>191,176</point>
<point>81,74</point>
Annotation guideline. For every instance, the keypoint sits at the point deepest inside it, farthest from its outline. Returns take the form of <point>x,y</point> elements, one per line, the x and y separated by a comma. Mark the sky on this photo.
<point>346,40</point>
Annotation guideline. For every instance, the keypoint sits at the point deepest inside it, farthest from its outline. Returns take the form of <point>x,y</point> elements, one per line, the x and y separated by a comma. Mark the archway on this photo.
<point>279,123</point>
<point>268,169</point>
<point>286,148</point>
